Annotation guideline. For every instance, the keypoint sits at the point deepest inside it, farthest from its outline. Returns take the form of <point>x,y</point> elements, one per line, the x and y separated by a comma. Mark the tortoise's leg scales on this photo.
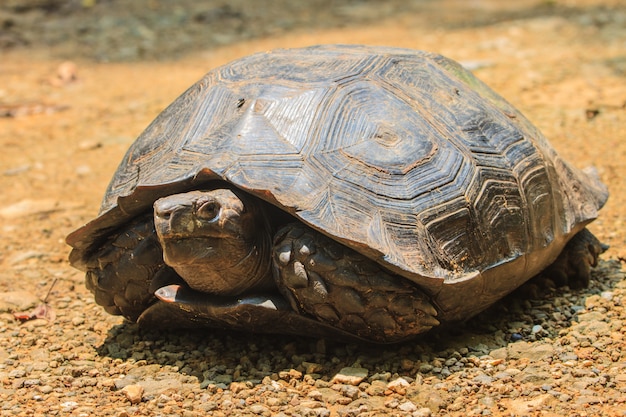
<point>122,269</point>
<point>573,266</point>
<point>343,288</point>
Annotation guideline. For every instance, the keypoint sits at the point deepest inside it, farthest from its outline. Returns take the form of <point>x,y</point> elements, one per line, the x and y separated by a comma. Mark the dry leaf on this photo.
<point>42,311</point>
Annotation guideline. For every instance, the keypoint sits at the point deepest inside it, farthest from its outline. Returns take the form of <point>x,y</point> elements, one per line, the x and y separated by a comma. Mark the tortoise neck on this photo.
<point>230,264</point>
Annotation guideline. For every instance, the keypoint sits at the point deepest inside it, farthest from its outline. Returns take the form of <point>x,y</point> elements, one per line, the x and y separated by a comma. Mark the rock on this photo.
<point>531,351</point>
<point>430,397</point>
<point>398,385</point>
<point>589,399</point>
<point>20,257</point>
<point>407,407</point>
<point>499,353</point>
<point>158,386</point>
<point>592,315</point>
<point>29,207</point>
<point>315,394</point>
<point>312,368</point>
<point>350,376</point>
<point>385,376</point>
<point>422,412</point>
<point>68,406</point>
<point>291,374</point>
<point>133,393</point>
<point>377,387</point>
<point>607,295</point>
<point>503,376</point>
<point>260,410</point>
<point>331,396</point>
<point>483,379</point>
<point>16,170</point>
<point>535,375</point>
<point>65,74</point>
<point>588,327</point>
<point>407,364</point>
<point>525,406</point>
<point>350,391</point>
<point>12,301</point>
<point>224,379</point>
<point>425,368</point>
<point>45,389</point>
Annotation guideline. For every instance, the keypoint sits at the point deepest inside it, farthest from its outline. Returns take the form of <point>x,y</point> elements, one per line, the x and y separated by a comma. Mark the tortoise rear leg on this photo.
<point>343,288</point>
<point>573,265</point>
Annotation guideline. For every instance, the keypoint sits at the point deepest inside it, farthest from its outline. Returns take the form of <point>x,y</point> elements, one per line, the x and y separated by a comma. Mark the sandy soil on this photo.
<point>70,106</point>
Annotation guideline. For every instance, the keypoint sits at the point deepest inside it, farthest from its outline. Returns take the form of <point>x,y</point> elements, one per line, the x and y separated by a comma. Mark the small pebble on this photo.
<point>68,406</point>
<point>407,407</point>
<point>133,393</point>
<point>349,375</point>
<point>422,412</point>
<point>607,295</point>
<point>398,385</point>
<point>350,391</point>
<point>316,395</point>
<point>259,409</point>
<point>45,389</point>
<point>425,368</point>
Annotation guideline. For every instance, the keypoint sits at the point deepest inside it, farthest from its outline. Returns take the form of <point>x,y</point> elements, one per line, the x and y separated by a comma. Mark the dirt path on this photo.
<point>65,127</point>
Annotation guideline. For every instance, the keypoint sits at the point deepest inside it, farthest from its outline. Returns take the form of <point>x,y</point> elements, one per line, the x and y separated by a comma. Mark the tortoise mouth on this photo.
<point>185,250</point>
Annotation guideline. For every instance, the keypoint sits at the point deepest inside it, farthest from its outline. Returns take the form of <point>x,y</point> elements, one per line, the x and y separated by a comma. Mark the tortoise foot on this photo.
<point>343,288</point>
<point>573,266</point>
<point>120,272</point>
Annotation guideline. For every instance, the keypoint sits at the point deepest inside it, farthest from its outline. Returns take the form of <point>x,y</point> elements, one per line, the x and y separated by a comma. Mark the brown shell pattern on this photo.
<point>402,155</point>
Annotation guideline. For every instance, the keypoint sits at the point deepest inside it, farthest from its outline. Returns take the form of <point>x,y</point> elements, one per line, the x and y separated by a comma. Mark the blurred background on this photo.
<point>123,30</point>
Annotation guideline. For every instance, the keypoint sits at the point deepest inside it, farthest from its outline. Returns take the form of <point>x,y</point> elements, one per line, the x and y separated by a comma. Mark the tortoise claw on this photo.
<point>167,293</point>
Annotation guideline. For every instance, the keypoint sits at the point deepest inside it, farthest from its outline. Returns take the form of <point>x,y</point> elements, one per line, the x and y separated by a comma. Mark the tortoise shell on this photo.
<point>402,155</point>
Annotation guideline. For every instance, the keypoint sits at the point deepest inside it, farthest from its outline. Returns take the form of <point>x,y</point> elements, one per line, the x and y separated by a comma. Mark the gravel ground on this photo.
<point>66,125</point>
<point>568,360</point>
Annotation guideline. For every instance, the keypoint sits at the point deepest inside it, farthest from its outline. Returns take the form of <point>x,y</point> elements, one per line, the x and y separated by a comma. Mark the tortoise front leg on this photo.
<point>122,271</point>
<point>343,288</point>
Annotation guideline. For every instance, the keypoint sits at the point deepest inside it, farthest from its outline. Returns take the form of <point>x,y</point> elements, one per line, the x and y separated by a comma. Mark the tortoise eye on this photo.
<point>209,211</point>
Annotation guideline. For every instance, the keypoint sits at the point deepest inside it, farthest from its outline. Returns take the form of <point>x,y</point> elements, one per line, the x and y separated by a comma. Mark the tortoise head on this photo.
<point>217,240</point>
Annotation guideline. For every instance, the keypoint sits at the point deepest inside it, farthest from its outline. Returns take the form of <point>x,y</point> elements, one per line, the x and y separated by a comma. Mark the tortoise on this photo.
<point>338,191</point>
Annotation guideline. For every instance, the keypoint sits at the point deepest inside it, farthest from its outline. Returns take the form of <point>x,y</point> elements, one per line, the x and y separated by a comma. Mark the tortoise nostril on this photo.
<point>165,215</point>
<point>163,210</point>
